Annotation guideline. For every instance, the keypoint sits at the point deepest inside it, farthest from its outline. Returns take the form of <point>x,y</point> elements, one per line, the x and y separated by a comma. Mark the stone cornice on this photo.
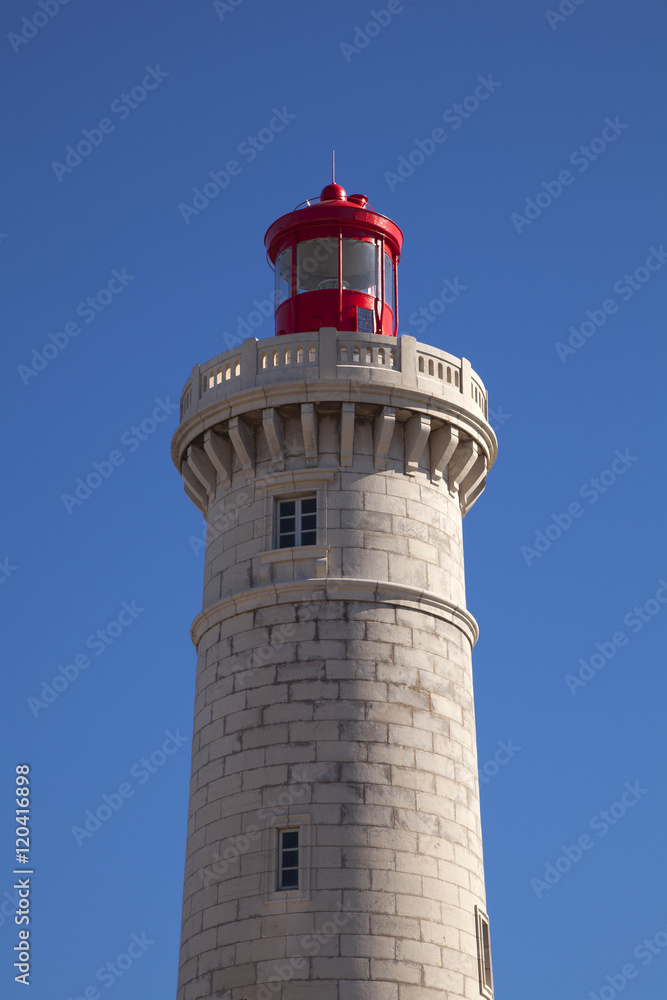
<point>335,589</point>
<point>333,366</point>
<point>240,401</point>
<point>450,410</point>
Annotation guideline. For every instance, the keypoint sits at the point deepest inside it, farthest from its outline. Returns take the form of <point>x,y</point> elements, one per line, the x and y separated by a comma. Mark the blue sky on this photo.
<point>543,199</point>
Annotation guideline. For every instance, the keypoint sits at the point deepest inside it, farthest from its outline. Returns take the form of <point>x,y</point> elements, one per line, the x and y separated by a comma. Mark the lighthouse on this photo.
<point>334,845</point>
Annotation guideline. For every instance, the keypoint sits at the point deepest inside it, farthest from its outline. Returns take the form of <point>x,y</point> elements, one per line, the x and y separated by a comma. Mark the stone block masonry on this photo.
<point>334,689</point>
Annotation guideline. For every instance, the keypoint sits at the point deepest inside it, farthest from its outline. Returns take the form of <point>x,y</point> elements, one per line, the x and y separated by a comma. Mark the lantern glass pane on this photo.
<point>388,281</point>
<point>283,276</point>
<point>317,264</point>
<point>361,266</point>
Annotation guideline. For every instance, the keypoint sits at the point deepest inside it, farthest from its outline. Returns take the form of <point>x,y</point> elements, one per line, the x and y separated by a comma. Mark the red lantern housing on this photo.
<point>335,261</point>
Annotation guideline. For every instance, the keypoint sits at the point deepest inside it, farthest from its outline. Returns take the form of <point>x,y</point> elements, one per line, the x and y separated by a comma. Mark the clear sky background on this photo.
<point>187,285</point>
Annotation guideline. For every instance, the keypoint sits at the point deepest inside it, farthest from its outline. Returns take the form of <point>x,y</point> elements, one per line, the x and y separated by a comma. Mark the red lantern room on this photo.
<point>336,265</point>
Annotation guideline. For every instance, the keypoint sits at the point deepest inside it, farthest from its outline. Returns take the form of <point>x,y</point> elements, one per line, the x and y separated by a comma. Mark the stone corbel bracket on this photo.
<point>456,461</point>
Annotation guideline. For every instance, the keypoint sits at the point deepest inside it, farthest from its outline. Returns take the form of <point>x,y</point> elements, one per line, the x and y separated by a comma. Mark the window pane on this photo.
<point>361,266</point>
<point>297,524</point>
<point>309,521</point>
<point>283,276</point>
<point>317,264</point>
<point>288,876</point>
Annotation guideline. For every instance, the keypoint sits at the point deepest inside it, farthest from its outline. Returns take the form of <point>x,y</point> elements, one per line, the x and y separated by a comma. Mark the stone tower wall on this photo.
<point>334,681</point>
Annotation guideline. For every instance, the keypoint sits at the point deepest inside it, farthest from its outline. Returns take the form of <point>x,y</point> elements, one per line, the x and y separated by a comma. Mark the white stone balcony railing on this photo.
<point>326,355</point>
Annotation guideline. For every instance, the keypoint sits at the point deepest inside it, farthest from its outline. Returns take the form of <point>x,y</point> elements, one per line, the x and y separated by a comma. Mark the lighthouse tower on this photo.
<point>334,848</point>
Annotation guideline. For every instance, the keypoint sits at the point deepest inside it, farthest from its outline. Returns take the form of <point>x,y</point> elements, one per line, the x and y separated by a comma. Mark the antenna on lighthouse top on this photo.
<point>333,166</point>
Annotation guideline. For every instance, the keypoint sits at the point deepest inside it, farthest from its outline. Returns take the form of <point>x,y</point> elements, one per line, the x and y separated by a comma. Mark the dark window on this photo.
<point>484,954</point>
<point>288,859</point>
<point>297,522</point>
